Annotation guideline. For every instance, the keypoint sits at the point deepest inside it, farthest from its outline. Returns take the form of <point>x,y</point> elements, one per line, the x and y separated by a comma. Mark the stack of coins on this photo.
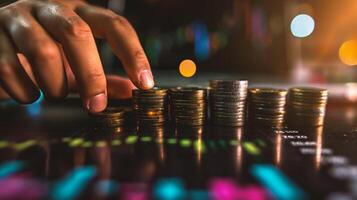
<point>150,106</point>
<point>111,118</point>
<point>188,106</point>
<point>266,106</point>
<point>307,106</point>
<point>227,102</point>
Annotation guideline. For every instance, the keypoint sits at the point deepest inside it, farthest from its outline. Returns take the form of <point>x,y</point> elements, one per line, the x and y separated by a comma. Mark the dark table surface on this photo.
<point>48,146</point>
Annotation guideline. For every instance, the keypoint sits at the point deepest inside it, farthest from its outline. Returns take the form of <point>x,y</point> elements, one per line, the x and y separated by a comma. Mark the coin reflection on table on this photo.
<point>307,106</point>
<point>318,131</point>
<point>156,133</point>
<point>239,152</point>
<point>189,131</point>
<point>278,148</point>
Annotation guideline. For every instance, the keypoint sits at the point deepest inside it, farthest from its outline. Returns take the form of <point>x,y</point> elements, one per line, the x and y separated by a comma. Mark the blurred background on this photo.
<point>295,42</point>
<point>301,40</point>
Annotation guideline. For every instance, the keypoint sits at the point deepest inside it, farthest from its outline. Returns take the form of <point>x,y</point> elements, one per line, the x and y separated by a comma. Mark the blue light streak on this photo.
<point>277,183</point>
<point>73,184</point>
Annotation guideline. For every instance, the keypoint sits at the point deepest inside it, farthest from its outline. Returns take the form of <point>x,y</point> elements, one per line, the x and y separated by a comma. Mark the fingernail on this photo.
<point>97,103</point>
<point>146,79</point>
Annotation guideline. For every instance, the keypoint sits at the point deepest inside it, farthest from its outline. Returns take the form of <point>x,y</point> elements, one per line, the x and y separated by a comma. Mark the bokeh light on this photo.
<point>351,92</point>
<point>187,68</point>
<point>348,52</point>
<point>302,25</point>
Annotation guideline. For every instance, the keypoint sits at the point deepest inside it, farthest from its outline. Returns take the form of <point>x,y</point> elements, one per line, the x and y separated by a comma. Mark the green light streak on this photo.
<point>172,141</point>
<point>131,139</point>
<point>4,144</point>
<point>199,146</point>
<point>146,139</point>
<point>233,143</point>
<point>24,145</point>
<point>116,142</point>
<point>251,148</point>
<point>76,142</point>
<point>185,143</point>
<point>87,144</point>
<point>101,143</point>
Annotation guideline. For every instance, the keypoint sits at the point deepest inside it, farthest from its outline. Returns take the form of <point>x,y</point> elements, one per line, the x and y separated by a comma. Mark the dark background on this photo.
<point>240,36</point>
<point>225,35</point>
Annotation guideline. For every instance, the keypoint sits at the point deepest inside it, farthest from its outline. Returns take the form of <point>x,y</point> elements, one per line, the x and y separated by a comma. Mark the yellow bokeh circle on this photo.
<point>348,52</point>
<point>187,68</point>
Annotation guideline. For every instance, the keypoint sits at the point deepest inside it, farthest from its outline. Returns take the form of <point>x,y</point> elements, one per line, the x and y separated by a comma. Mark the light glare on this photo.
<point>348,52</point>
<point>187,68</point>
<point>302,25</point>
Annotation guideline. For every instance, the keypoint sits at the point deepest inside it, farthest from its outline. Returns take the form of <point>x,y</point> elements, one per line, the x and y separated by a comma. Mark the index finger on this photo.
<point>79,47</point>
<point>123,40</point>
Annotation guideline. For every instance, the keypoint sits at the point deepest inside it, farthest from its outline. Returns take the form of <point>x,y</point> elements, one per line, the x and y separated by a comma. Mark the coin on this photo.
<point>266,106</point>
<point>307,106</point>
<point>309,90</point>
<point>150,106</point>
<point>188,105</point>
<point>227,102</point>
<point>110,118</point>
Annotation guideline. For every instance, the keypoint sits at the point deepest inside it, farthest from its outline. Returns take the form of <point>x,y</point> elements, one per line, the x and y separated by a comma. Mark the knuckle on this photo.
<point>77,27</point>
<point>117,20</point>
<point>45,51</point>
<point>95,76</point>
<point>139,54</point>
<point>6,67</point>
<point>141,59</point>
<point>26,32</point>
<point>5,71</point>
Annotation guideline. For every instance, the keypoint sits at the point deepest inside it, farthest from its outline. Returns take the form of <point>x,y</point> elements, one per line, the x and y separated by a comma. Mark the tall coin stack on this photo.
<point>112,118</point>
<point>307,106</point>
<point>266,106</point>
<point>227,102</point>
<point>188,106</point>
<point>150,106</point>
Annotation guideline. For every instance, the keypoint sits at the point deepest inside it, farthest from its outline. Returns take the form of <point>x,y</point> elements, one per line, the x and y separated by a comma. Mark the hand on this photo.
<point>49,45</point>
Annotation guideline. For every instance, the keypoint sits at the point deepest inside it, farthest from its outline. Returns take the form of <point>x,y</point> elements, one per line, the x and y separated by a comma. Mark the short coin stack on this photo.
<point>150,106</point>
<point>111,118</point>
<point>307,106</point>
<point>188,106</point>
<point>266,106</point>
<point>227,102</point>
